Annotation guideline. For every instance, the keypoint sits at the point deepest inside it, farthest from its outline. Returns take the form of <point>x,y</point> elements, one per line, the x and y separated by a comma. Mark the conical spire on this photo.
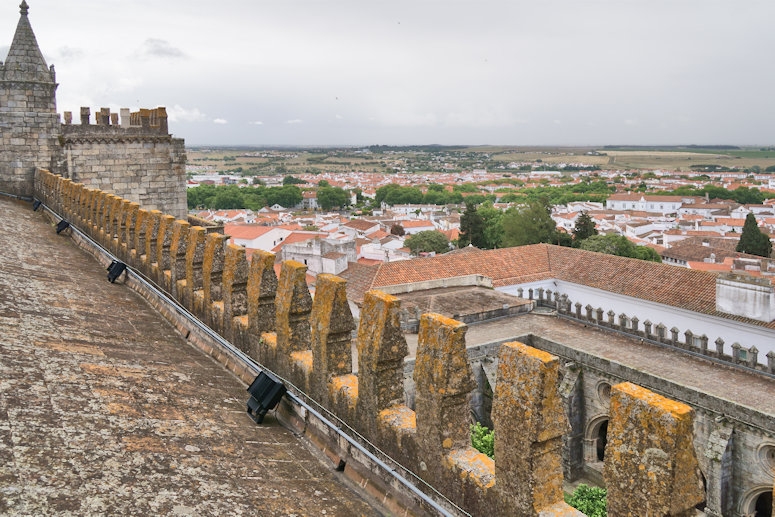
<point>25,61</point>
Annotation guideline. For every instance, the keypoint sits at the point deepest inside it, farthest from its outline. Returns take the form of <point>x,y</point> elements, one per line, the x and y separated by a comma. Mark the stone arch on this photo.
<point>757,502</point>
<point>595,439</point>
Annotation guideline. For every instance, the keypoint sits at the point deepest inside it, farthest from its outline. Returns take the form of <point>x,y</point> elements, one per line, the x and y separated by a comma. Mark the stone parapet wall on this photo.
<point>740,356</point>
<point>309,346</point>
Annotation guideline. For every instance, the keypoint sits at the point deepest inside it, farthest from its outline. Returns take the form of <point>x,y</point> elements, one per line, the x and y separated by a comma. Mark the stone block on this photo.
<point>650,465</point>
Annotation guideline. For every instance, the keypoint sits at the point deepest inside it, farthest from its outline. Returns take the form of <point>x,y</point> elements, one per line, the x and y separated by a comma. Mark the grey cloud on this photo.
<point>153,47</point>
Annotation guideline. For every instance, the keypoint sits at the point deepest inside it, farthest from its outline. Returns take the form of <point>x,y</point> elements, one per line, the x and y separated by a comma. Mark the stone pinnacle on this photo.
<point>24,8</point>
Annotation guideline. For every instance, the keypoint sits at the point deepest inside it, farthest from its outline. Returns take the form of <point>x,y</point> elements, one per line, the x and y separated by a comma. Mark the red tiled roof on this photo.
<point>360,224</point>
<point>660,283</point>
<point>245,231</point>
<point>416,224</point>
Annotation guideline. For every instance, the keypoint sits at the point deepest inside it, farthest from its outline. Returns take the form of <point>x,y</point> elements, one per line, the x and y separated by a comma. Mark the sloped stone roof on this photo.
<point>25,61</point>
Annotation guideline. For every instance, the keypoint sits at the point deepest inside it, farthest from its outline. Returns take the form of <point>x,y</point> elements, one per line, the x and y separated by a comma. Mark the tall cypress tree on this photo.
<point>585,227</point>
<point>753,241</point>
<point>471,227</point>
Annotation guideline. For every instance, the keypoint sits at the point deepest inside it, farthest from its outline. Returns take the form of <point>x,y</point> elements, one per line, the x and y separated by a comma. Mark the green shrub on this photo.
<point>589,500</point>
<point>483,440</point>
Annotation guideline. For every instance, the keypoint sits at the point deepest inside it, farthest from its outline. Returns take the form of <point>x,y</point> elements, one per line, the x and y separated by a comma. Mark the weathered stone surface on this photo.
<point>650,466</point>
<point>444,381</point>
<point>294,305</point>
<point>235,288</point>
<point>262,314</point>
<point>529,423</point>
<point>381,352</point>
<point>106,410</point>
<point>332,325</point>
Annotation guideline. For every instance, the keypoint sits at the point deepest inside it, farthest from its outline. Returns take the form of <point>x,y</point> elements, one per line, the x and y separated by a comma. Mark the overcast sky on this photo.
<point>359,72</point>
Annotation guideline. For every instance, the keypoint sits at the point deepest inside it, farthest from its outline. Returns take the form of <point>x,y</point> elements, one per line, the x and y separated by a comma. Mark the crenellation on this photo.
<point>332,325</point>
<point>293,305</point>
<point>235,291</point>
<point>211,309</point>
<point>546,412</point>
<point>178,248</point>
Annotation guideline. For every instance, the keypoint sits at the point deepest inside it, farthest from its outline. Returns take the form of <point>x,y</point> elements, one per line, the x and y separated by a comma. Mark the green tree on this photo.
<point>228,198</point>
<point>589,500</point>
<point>332,197</point>
<point>619,245</point>
<point>287,196</point>
<point>585,227</point>
<point>753,240</point>
<point>292,180</point>
<point>492,218</point>
<point>530,224</point>
<point>471,227</point>
<point>427,241</point>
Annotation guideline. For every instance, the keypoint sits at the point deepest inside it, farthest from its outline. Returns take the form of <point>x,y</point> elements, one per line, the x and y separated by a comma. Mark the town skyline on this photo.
<point>312,74</point>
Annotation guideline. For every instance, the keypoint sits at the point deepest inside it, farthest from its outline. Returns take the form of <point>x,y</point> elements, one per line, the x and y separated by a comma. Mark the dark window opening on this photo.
<point>764,505</point>
<point>602,440</point>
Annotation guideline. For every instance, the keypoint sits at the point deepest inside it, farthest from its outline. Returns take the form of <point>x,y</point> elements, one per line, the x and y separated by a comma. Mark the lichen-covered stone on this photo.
<point>443,382</point>
<point>235,288</point>
<point>650,466</point>
<point>381,351</point>
<point>529,423</point>
<point>262,314</point>
<point>293,304</point>
<point>331,325</point>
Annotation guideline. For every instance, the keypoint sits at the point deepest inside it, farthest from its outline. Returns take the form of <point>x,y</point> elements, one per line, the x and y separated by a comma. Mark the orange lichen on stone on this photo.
<point>241,322</point>
<point>653,399</point>
<point>443,380</point>
<point>269,339</point>
<point>650,461</point>
<point>530,420</point>
<point>474,465</point>
<point>399,417</point>
<point>345,386</point>
<point>303,359</point>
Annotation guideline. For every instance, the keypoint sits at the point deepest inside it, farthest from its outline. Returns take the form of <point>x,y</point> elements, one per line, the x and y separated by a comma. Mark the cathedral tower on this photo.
<point>28,117</point>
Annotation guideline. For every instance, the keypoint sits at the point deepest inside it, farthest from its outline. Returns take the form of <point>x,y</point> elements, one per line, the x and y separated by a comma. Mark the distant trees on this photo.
<point>753,240</point>
<point>427,241</point>
<point>529,224</point>
<point>397,229</point>
<point>332,197</point>
<point>619,245</point>
<point>292,180</point>
<point>232,197</point>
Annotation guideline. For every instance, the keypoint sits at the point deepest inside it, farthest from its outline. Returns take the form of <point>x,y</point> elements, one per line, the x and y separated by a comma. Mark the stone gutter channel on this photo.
<point>299,414</point>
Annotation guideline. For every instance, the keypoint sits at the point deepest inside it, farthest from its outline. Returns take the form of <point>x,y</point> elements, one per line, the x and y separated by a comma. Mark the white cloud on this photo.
<point>178,113</point>
<point>220,121</point>
<point>256,123</point>
<point>339,117</point>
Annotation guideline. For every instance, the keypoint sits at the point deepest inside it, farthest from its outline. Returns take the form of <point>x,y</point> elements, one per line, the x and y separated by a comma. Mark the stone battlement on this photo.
<point>277,323</point>
<point>151,122</point>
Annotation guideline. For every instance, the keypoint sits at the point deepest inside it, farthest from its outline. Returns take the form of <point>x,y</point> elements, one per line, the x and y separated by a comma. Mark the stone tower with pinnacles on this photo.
<point>129,154</point>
